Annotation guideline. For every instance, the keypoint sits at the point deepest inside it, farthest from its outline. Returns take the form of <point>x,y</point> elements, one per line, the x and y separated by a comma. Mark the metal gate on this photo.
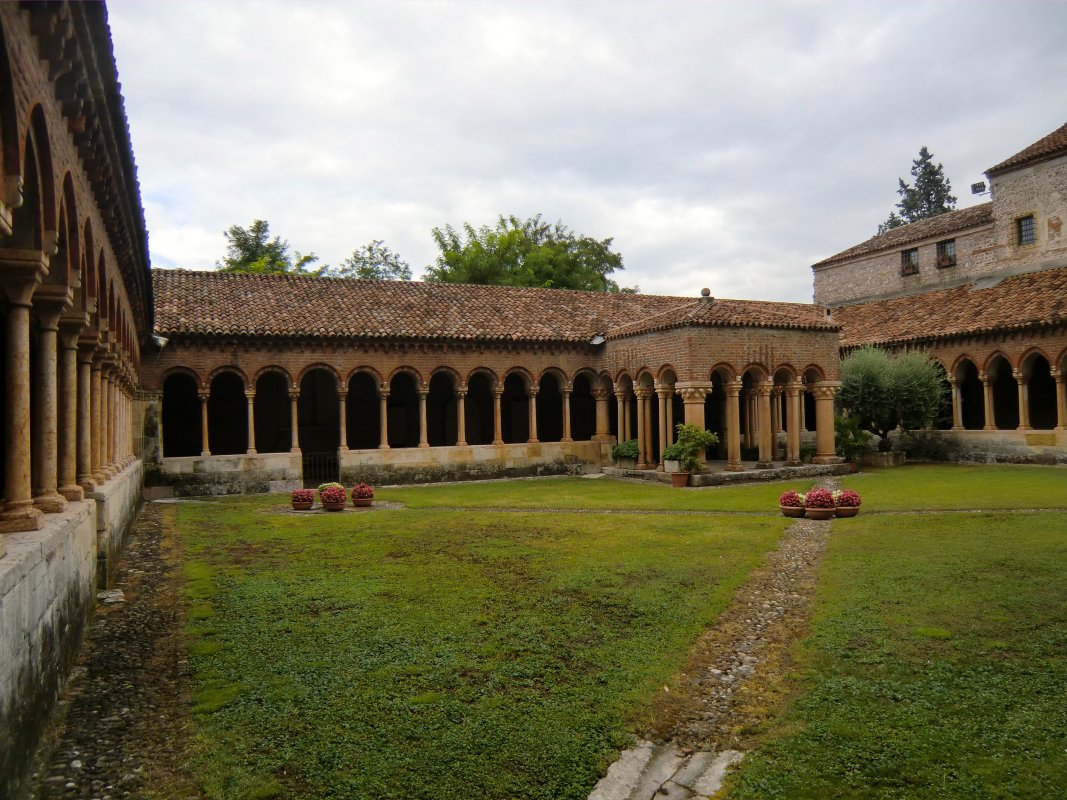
<point>320,468</point>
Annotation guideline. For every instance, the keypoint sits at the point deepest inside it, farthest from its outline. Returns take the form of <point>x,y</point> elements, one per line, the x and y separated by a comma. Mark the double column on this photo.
<point>665,395</point>
<point>825,446</point>
<point>794,419</point>
<point>693,396</point>
<point>1061,400</point>
<point>49,301</point>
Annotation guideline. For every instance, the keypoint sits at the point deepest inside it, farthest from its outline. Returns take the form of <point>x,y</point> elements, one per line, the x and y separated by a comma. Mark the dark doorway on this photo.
<point>549,408</point>
<point>272,412</point>
<point>441,423</point>
<point>972,396</point>
<point>1005,395</point>
<point>319,421</point>
<point>515,410</point>
<point>1041,391</point>
<point>583,409</point>
<point>181,417</point>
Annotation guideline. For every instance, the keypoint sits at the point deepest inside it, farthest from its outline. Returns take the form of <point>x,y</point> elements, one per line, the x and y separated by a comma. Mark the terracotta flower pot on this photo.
<point>846,511</point>
<point>792,511</point>
<point>679,479</point>
<point>362,502</point>
<point>334,506</point>
<point>297,506</point>
<point>819,513</point>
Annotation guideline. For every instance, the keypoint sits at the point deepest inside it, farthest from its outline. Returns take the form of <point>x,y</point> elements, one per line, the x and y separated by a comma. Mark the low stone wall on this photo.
<point>117,502</point>
<point>47,591</point>
<point>1006,447</point>
<point>721,477</point>
<point>240,474</point>
<point>429,464</point>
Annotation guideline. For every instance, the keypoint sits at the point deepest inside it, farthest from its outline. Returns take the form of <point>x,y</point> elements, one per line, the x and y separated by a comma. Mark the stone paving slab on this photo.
<point>662,772</point>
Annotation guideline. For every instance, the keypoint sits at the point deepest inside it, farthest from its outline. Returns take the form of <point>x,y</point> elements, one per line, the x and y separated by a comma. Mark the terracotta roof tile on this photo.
<point>939,226</point>
<point>1043,149</point>
<point>1036,299</point>
<point>217,304</point>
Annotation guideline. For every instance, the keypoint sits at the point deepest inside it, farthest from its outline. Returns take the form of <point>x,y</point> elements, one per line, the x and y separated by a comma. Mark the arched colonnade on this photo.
<point>1005,392</point>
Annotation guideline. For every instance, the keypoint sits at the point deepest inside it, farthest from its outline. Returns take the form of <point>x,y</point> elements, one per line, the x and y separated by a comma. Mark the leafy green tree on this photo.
<point>930,195</point>
<point>882,392</point>
<point>374,262</point>
<point>528,252</point>
<point>252,250</point>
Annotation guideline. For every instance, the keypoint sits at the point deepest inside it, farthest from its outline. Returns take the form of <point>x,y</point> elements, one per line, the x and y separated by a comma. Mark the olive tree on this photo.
<point>884,392</point>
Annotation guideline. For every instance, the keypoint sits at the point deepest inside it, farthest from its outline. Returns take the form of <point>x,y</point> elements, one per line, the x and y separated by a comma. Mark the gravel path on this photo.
<point>122,722</point>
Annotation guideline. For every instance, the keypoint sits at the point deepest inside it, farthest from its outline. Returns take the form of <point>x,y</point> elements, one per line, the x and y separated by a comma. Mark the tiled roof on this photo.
<point>935,227</point>
<point>1035,299</point>
<point>217,304</point>
<point>1047,147</point>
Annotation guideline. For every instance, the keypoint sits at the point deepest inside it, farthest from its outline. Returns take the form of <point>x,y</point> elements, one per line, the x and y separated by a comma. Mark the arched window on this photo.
<point>273,409</point>
<point>441,421</point>
<point>227,415</point>
<point>403,411</point>
<point>364,412</point>
<point>181,416</point>
<point>549,408</point>
<point>319,420</point>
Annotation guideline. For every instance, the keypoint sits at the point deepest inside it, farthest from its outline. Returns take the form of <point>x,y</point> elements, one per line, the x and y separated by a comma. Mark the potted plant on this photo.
<point>362,495</point>
<point>302,499</point>
<point>791,503</point>
<point>672,457</point>
<point>625,454</point>
<point>333,496</point>
<point>819,504</point>
<point>846,503</point>
<point>691,442</point>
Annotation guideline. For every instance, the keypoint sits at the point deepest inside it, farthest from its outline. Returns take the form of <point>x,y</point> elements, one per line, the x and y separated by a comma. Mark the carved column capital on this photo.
<point>826,390</point>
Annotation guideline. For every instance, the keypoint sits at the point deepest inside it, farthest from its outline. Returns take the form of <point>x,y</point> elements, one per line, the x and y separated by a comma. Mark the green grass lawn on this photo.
<point>589,494</point>
<point>449,651</point>
<point>440,654</point>
<point>937,667</point>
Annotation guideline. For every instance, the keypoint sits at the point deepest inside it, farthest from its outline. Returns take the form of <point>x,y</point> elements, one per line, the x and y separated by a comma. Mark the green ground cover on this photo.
<point>441,654</point>
<point>922,487</point>
<point>938,662</point>
<point>587,494</point>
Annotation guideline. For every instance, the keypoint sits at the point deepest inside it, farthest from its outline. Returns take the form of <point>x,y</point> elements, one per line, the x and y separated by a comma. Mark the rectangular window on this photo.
<point>1025,230</point>
<point>909,261</point>
<point>946,253</point>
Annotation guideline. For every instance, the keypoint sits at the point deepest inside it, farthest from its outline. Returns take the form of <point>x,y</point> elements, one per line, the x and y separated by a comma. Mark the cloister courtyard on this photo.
<point>508,639</point>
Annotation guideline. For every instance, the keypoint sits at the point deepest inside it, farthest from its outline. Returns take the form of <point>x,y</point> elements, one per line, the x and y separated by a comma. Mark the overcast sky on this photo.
<point>727,145</point>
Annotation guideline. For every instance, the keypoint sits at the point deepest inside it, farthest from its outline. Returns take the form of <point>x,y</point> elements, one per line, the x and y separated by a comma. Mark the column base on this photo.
<point>764,465</point>
<point>205,453</point>
<point>566,439</point>
<point>734,468</point>
<point>24,518</point>
<point>989,427</point>
<point>498,441</point>
<point>1024,428</point>
<point>87,484</point>
<point>826,459</point>
<point>250,451</point>
<point>793,462</point>
<point>295,450</point>
<point>460,444</point>
<point>51,502</point>
<point>533,441</point>
<point>73,493</point>
<point>424,444</point>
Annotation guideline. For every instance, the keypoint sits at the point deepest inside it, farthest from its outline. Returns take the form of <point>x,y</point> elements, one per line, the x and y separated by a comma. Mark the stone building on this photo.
<point>984,291</point>
<point>405,381</point>
<point>75,306</point>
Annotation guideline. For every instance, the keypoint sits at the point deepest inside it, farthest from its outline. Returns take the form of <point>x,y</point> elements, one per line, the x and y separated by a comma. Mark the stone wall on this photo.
<point>47,591</point>
<point>117,503</point>
<point>1006,447</point>
<point>219,475</point>
<point>1040,190</point>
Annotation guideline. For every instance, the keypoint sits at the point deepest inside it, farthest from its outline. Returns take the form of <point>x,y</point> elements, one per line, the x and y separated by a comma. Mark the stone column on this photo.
<point>603,416</point>
<point>620,398</point>
<point>763,410</point>
<point>85,417</point>
<point>662,393</point>
<point>627,417</point>
<point>96,381</point>
<point>693,395</point>
<point>205,448</point>
<point>1061,400</point>
<point>105,419</point>
<point>793,410</point>
<point>50,302</point>
<point>957,406</point>
<point>825,452</point>
<point>532,409</point>
<point>19,280</point>
<point>987,397</point>
<point>733,426</point>
<point>294,420</point>
<point>1024,401</point>
<point>342,397</point>
<point>670,416</point>
<point>461,417</point>
<point>383,419</point>
<point>69,331</point>
<point>646,409</point>
<point>642,428</point>
<point>251,395</point>
<point>498,436</point>
<point>567,416</point>
<point>423,433</point>
<point>112,422</point>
